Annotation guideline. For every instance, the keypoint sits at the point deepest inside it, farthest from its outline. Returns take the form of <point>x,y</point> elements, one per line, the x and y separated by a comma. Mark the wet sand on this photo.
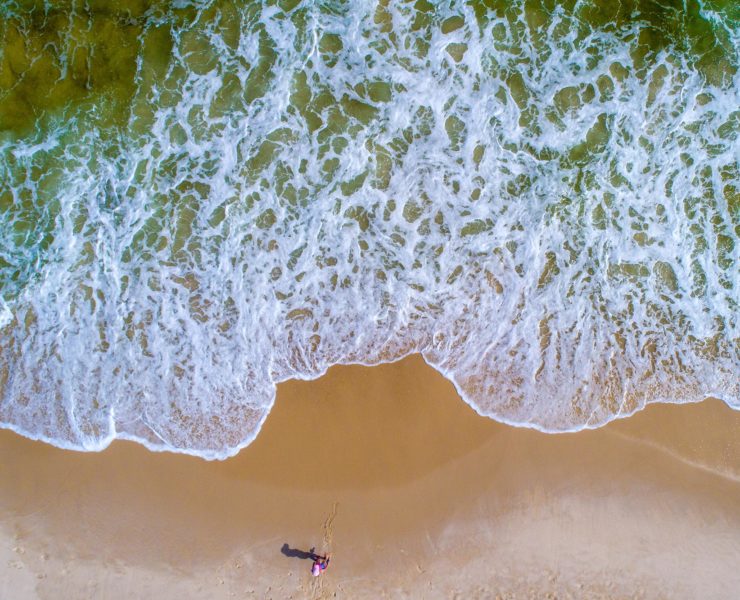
<point>431,501</point>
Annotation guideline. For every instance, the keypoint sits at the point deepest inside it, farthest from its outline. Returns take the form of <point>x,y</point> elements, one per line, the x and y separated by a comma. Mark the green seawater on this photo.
<point>91,65</point>
<point>64,59</point>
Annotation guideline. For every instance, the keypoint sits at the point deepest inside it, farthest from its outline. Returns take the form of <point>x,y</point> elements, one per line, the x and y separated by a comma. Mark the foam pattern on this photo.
<point>545,207</point>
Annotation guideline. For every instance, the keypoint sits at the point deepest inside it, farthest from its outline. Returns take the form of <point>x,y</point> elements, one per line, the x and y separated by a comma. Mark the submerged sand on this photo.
<point>415,495</point>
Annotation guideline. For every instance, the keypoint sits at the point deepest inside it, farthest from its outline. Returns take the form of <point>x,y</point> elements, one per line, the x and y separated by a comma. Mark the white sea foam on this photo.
<point>546,220</point>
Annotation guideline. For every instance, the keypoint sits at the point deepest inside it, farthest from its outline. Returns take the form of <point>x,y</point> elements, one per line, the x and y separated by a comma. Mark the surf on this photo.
<point>540,199</point>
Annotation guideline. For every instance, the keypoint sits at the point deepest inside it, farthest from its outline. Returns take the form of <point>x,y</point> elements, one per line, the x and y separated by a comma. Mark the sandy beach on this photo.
<point>414,494</point>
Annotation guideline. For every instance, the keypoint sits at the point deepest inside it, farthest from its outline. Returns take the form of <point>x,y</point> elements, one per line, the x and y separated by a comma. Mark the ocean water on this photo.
<point>199,200</point>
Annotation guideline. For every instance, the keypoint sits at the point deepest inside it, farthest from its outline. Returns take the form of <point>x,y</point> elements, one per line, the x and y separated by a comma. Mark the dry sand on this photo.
<point>432,501</point>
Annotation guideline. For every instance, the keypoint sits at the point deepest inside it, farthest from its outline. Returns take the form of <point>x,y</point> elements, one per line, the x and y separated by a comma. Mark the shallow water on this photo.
<point>201,200</point>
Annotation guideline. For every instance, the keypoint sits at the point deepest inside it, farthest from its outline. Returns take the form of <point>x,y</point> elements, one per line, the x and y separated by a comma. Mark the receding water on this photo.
<point>201,199</point>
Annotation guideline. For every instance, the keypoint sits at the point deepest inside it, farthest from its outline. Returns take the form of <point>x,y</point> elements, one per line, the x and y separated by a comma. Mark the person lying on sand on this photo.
<point>320,564</point>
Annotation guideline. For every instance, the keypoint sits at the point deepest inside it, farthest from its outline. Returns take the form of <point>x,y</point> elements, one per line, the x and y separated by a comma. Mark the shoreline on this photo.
<point>118,437</point>
<point>432,500</point>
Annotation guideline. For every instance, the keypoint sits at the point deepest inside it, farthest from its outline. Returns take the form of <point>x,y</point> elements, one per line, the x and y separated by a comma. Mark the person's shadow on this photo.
<point>296,553</point>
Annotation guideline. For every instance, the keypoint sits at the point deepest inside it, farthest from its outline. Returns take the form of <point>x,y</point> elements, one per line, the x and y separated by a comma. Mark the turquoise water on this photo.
<point>202,199</point>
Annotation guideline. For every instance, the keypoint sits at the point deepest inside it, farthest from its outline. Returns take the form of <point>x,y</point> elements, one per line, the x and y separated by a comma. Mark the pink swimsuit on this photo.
<point>318,567</point>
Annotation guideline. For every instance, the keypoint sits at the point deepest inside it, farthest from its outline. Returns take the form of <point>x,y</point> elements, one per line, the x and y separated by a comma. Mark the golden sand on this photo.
<point>415,495</point>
